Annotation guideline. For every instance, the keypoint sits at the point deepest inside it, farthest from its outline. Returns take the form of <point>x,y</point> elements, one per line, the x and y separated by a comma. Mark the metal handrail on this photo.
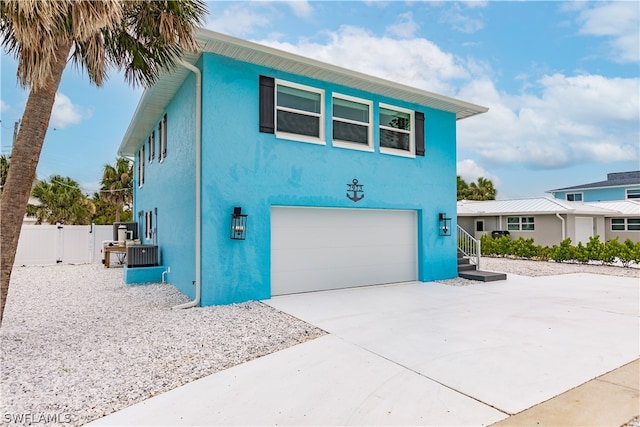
<point>469,246</point>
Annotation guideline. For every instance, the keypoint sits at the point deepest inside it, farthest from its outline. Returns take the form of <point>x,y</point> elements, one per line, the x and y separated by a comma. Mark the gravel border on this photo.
<point>78,344</point>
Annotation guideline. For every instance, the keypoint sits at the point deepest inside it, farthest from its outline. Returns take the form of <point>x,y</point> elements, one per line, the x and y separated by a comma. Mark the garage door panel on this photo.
<point>316,248</point>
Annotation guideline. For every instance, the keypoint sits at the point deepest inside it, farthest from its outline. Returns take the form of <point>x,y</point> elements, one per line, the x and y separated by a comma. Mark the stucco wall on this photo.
<point>169,187</point>
<point>243,167</point>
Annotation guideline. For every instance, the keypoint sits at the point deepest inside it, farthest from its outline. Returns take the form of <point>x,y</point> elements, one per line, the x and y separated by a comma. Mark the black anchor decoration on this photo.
<point>356,188</point>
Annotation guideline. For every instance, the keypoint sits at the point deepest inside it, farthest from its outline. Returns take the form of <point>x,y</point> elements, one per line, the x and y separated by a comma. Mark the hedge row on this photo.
<point>607,252</point>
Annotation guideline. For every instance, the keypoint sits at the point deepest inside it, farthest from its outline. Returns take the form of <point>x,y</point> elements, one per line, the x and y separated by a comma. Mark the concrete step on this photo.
<point>483,276</point>
<point>466,267</point>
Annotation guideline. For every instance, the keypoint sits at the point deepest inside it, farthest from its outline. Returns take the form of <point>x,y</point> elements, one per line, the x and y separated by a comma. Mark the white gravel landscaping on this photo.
<point>78,344</point>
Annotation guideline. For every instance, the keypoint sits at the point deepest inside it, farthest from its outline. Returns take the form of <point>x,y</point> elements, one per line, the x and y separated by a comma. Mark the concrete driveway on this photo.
<point>419,354</point>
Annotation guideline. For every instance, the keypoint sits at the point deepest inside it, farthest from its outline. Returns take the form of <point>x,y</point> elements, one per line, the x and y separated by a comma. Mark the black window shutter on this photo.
<point>267,109</point>
<point>419,133</point>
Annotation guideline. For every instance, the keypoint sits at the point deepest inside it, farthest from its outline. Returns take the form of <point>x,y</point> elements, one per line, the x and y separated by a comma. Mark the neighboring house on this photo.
<point>549,221</point>
<point>345,178</point>
<point>618,186</point>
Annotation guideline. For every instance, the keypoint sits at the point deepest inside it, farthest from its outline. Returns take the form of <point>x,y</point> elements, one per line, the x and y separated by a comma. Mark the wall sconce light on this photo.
<point>238,224</point>
<point>444,224</point>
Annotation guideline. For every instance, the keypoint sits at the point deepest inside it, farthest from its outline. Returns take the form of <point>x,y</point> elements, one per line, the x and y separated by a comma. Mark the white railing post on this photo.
<point>469,245</point>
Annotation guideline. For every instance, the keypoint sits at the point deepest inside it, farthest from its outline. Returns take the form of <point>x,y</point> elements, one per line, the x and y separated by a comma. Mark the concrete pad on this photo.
<point>601,402</point>
<point>510,344</point>
<point>326,381</point>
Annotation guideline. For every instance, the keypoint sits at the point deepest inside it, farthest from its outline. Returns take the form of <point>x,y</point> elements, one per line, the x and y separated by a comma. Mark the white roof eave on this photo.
<point>155,99</point>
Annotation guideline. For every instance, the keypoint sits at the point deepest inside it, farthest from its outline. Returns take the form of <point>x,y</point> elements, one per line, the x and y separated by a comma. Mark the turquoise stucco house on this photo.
<point>260,172</point>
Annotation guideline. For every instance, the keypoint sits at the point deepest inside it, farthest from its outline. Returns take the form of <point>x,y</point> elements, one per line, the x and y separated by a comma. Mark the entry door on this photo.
<point>584,229</point>
<point>320,248</point>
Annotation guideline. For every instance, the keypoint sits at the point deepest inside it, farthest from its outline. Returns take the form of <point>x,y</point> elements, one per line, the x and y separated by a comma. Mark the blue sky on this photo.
<point>561,79</point>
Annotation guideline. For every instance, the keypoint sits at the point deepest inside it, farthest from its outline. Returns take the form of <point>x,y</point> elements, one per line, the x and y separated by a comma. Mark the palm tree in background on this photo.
<point>61,201</point>
<point>482,190</point>
<point>4,170</point>
<point>117,184</point>
<point>141,38</point>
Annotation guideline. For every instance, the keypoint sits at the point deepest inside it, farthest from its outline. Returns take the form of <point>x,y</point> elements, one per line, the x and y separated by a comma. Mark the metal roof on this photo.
<point>155,98</point>
<point>625,207</point>
<point>541,205</point>
<point>616,179</point>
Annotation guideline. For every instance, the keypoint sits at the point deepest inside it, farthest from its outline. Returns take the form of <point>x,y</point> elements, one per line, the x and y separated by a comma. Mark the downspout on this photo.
<point>196,71</point>
<point>563,228</point>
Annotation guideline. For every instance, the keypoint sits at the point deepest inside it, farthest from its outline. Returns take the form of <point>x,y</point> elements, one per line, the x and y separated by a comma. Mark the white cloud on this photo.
<point>239,19</point>
<point>470,171</point>
<point>65,113</point>
<point>460,19</point>
<point>301,8</point>
<point>4,106</point>
<point>620,21</point>
<point>415,62</point>
<point>573,120</point>
<point>406,27</point>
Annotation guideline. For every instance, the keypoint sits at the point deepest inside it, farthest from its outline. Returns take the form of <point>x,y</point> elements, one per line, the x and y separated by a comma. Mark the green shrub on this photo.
<point>562,252</point>
<point>595,249</point>
<point>580,253</point>
<point>523,248</point>
<point>611,251</point>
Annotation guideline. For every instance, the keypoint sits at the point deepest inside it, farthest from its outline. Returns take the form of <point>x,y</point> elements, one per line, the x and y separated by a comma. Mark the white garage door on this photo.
<point>318,249</point>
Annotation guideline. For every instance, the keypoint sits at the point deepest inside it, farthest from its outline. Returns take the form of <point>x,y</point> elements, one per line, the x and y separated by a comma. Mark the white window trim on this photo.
<point>566,196</point>
<point>412,133</point>
<point>352,145</point>
<point>520,223</point>
<point>162,138</point>
<point>320,140</point>
<point>625,224</point>
<point>141,159</point>
<point>151,145</point>
<point>627,193</point>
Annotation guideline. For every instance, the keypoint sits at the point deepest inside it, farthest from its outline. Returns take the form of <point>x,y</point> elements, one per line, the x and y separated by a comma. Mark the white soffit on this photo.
<point>155,98</point>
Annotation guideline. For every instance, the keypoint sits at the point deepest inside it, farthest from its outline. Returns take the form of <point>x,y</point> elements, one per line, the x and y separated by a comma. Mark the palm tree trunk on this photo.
<point>22,172</point>
<point>118,209</point>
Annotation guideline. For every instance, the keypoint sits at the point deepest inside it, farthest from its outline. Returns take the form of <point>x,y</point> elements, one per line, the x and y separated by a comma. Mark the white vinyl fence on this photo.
<point>69,244</point>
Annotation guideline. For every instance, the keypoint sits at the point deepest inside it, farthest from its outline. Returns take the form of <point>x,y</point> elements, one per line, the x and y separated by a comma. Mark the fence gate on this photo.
<point>70,244</point>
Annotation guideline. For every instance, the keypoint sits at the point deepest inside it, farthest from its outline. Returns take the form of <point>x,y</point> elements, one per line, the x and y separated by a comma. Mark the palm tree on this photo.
<point>482,190</point>
<point>141,38</point>
<point>61,201</point>
<point>463,188</point>
<point>117,184</point>
<point>4,169</point>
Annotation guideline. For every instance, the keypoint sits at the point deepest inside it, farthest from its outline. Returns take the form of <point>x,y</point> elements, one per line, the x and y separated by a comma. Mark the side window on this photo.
<point>574,197</point>
<point>633,193</point>
<point>396,130</point>
<point>352,119</point>
<point>148,225</point>
<point>525,223</point>
<point>299,112</point>
<point>633,224</point>
<point>617,224</point>
<point>152,146</point>
<point>162,135</point>
<point>141,160</point>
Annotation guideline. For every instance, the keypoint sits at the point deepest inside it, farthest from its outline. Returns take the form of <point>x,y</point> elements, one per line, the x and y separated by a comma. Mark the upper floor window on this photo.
<point>633,193</point>
<point>520,223</point>
<point>141,160</point>
<point>299,112</point>
<point>574,197</point>
<point>352,119</point>
<point>152,146</point>
<point>396,130</point>
<point>162,135</point>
